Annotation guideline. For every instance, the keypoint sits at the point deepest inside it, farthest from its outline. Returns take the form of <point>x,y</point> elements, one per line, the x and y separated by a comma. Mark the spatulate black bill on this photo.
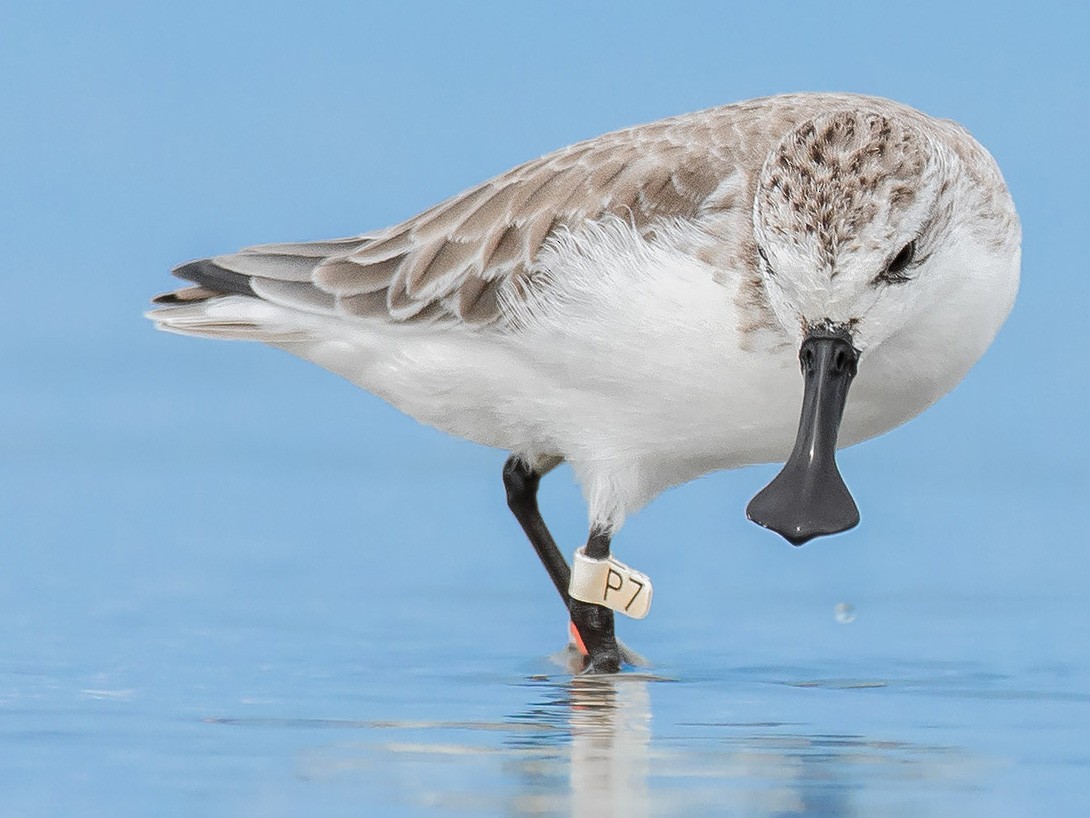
<point>808,497</point>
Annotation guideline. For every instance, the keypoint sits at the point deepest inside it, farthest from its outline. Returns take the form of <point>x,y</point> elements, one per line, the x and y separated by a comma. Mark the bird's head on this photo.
<point>864,223</point>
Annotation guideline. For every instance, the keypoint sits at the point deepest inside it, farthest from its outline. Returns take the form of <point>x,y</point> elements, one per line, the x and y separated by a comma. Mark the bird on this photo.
<point>760,282</point>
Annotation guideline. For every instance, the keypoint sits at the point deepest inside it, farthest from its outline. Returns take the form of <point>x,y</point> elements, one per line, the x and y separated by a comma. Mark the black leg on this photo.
<point>595,622</point>
<point>521,483</point>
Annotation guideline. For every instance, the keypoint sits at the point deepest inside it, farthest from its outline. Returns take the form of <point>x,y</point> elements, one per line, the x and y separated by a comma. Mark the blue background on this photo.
<point>179,517</point>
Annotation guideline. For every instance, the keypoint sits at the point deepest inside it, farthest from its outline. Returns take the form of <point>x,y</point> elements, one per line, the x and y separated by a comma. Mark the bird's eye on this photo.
<point>895,270</point>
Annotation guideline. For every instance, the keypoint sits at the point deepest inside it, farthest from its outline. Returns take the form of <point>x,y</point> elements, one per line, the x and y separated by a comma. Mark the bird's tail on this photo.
<point>222,303</point>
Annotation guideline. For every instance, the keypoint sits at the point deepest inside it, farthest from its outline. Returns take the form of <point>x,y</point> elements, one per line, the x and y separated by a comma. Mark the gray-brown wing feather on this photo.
<point>451,260</point>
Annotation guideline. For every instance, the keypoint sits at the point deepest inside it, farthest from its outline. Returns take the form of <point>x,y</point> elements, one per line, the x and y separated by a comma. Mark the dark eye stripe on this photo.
<point>764,258</point>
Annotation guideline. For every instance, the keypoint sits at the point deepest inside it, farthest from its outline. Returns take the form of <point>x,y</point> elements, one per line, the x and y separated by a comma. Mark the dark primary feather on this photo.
<point>210,275</point>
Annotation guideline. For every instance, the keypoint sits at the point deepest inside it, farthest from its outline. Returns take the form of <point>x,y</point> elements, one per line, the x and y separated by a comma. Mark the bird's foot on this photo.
<point>593,636</point>
<point>576,657</point>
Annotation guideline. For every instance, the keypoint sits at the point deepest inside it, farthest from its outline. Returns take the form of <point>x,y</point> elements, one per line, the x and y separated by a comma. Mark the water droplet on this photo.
<point>844,613</point>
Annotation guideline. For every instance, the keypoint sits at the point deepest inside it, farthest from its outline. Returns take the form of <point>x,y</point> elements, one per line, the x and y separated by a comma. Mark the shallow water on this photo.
<point>264,718</point>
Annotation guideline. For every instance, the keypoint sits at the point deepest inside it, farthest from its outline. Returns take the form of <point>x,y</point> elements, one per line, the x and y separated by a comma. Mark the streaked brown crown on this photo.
<point>839,180</point>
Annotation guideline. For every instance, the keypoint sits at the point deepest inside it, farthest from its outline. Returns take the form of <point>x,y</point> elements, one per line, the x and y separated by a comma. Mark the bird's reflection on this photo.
<point>610,723</point>
<point>595,746</point>
<point>601,734</point>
